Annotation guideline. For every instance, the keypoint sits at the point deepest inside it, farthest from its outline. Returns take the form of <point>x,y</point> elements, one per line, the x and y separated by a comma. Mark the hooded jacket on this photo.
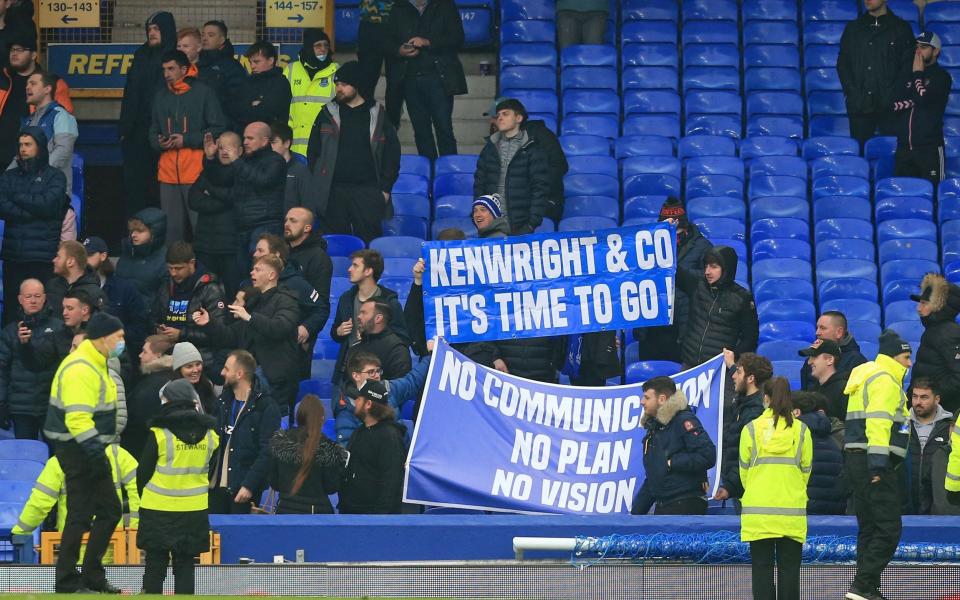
<point>220,70</point>
<point>216,231</point>
<point>527,184</point>
<point>312,257</point>
<point>57,287</point>
<point>262,97</point>
<point>145,77</point>
<point>850,357</point>
<point>143,402</point>
<point>146,265</point>
<point>824,496</point>
<point>745,410</point>
<point>23,391</point>
<point>876,54</point>
<point>60,127</point>
<point>938,356</point>
<point>206,292</point>
<point>373,483</point>
<point>920,463</point>
<point>248,445</point>
<point>721,316</point>
<point>676,436</point>
<point>876,412</point>
<point>257,184</point>
<point>286,458</point>
<point>33,202</point>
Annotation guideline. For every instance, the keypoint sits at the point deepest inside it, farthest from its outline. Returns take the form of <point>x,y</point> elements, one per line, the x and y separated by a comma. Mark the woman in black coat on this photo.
<point>305,465</point>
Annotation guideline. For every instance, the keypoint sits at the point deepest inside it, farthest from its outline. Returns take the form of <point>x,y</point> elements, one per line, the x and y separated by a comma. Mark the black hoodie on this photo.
<point>722,315</point>
<point>374,480</point>
<point>145,77</point>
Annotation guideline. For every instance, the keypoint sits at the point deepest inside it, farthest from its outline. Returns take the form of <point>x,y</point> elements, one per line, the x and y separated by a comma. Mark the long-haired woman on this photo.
<point>776,454</point>
<point>305,464</point>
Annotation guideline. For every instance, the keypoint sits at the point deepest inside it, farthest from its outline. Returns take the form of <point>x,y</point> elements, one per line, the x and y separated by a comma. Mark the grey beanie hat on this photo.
<point>185,353</point>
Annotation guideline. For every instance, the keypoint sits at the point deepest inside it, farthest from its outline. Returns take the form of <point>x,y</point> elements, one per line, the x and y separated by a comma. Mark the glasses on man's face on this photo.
<point>372,372</point>
<point>17,49</point>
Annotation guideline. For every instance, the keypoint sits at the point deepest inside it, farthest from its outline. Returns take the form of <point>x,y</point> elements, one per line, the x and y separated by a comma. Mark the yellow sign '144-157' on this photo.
<point>296,13</point>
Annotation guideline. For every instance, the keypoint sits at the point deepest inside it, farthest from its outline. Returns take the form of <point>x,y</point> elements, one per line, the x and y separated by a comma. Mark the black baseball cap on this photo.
<point>374,390</point>
<point>95,244</point>
<point>822,347</point>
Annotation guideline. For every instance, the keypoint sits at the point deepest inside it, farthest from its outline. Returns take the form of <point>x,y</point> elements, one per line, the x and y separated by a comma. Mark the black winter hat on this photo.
<point>891,344</point>
<point>348,74</point>
<point>101,325</point>
<point>24,37</point>
<point>374,390</point>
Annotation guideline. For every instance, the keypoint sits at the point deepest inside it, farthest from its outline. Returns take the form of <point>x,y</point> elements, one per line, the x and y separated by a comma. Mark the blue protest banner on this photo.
<point>491,441</point>
<point>549,284</point>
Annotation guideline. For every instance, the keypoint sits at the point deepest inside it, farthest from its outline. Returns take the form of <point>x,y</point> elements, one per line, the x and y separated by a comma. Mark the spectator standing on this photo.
<point>308,249</point>
<point>832,325</point>
<point>373,52</point>
<point>189,42</point>
<point>537,358</point>
<point>71,273</point>
<point>246,420</point>
<point>663,343</point>
<point>58,125</point>
<point>374,480</point>
<point>47,349</point>
<point>13,22</point>
<point>823,489</point>
<point>184,111</point>
<point>23,62</point>
<point>311,85</point>
<point>33,202</point>
<point>426,36</point>
<point>488,216</point>
<point>122,298</point>
<point>142,256</point>
<point>82,420</point>
<point>144,79</point>
<point>722,314</point>
<point>939,354</point>
<point>24,393</point>
<point>188,364</point>
<point>823,357</point>
<point>876,51</point>
<point>298,175</point>
<point>514,165</point>
<point>775,462</point>
<point>188,288</point>
<point>677,453</point>
<point>920,110</point>
<point>377,338</point>
<point>219,68</point>
<point>305,465</point>
<point>354,156</point>
<point>215,242</point>
<point>265,93</point>
<point>13,88</point>
<point>173,481</point>
<point>876,438</point>
<point>749,375</point>
<point>143,401</point>
<point>930,427</point>
<point>581,22</point>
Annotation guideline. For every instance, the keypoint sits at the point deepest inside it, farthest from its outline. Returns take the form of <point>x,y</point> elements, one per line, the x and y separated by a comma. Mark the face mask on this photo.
<point>321,57</point>
<point>118,349</point>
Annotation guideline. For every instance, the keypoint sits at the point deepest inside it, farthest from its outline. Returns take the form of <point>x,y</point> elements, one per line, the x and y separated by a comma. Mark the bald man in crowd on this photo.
<point>257,185</point>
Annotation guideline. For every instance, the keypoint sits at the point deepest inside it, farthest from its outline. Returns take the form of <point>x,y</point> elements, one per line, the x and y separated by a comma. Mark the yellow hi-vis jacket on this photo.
<point>181,479</point>
<point>83,399</point>
<point>878,419</point>
<point>952,483</point>
<point>775,464</point>
<point>51,489</point>
<point>309,96</point>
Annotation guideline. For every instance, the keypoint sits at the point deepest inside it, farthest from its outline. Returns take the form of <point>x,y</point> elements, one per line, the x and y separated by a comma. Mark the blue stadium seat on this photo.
<point>818,56</point>
<point>591,206</point>
<point>901,310</point>
<point>827,145</point>
<point>779,268</point>
<point>586,224</point>
<point>711,55</point>
<point>794,309</point>
<point>772,79</point>
<point>881,146</point>
<point>452,206</point>
<point>464,224</point>
<point>339,285</point>
<point>591,185</point>
<point>782,288</point>
<point>769,10</point>
<point>325,346</point>
<point>864,310</point>
<point>546,226</point>
<point>782,350</point>
<point>588,78</point>
<point>411,205</point>
<point>852,166</point>
<point>25,450</point>
<point>779,207</point>
<point>15,491</point>
<point>20,469</point>
<point>823,32</point>
<point>643,145</point>
<point>905,9</point>
<point>725,10</point>
<point>771,55</point>
<point>706,145</point>
<point>347,24</point>
<point>411,184</point>
<point>849,268</point>
<point>829,10</point>
<point>781,248</point>
<point>453,183</point>
<point>398,246</point>
<point>777,185</point>
<point>343,245</point>
<point>775,125</point>
<point>650,55</point>
<point>947,32</point>
<point>904,207</point>
<point>641,207</point>
<point>789,369</point>
<point>867,333</point>
<point>528,30</point>
<point>899,289</point>
<point>516,10</point>
<point>911,268</point>
<point>642,10</point>
<point>901,249</point>
<point>793,229</point>
<point>651,101</point>
<point>585,145</point>
<point>531,55</point>
<point>640,165</point>
<point>400,225</point>
<point>653,183</point>
<point>826,103</point>
<point>650,78</point>
<point>911,331</point>
<point>401,285</point>
<point>949,198</point>
<point>530,78</point>
<point>783,166</point>
<point>821,79</point>
<point>844,287</point>
<point>648,32</point>
<point>951,230</point>
<point>774,103</point>
<point>588,55</point>
<point>477,27</point>
<point>398,267</point>
<point>842,228</point>
<point>786,330</point>
<point>840,185</point>
<point>752,147</point>
<point>639,372</point>
<point>771,32</point>
<point>631,353</point>
<point>709,207</point>
<point>714,228</point>
<point>714,185</point>
<point>340,266</point>
<point>847,248</point>
<point>662,125</point>
<point>942,12</point>
<point>951,251</point>
<point>535,101</point>
<point>414,164</point>
<point>602,125</point>
<point>714,165</point>
<point>835,125</point>
<point>602,165</point>
<point>709,32</point>
<point>906,228</point>
<point>904,186</point>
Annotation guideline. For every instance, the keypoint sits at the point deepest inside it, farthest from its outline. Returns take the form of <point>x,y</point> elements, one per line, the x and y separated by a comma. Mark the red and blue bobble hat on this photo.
<point>673,209</point>
<point>491,202</point>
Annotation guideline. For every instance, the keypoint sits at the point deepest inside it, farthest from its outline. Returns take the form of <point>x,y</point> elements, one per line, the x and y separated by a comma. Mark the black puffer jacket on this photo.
<point>823,494</point>
<point>533,358</point>
<point>876,56</point>
<point>216,228</point>
<point>146,265</point>
<point>145,77</point>
<point>721,316</point>
<point>527,186</point>
<point>220,70</point>
<point>557,160</point>
<point>185,532</point>
<point>286,457</point>
<point>271,93</point>
<point>33,202</point>
<point>745,410</point>
<point>22,391</point>
<point>373,483</point>
<point>257,184</point>
<point>939,354</point>
<point>207,294</point>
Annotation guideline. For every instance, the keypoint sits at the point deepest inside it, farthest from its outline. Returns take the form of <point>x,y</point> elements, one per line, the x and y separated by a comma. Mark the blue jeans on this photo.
<point>430,110</point>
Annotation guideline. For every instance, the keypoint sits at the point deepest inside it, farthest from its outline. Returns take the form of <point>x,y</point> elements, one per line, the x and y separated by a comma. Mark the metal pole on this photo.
<point>541,543</point>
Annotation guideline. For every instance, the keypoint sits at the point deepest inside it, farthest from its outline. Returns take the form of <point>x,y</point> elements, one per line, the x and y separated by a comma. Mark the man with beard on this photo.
<point>930,427</point>
<point>311,85</point>
<point>308,249</point>
<point>354,156</point>
<point>144,78</point>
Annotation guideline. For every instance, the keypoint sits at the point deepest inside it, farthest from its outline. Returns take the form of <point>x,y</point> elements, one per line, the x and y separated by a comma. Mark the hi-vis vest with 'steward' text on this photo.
<point>181,480</point>
<point>309,96</point>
